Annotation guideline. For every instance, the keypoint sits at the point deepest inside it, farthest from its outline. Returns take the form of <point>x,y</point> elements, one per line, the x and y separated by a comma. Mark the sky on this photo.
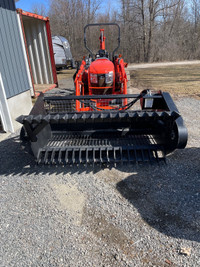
<point>27,5</point>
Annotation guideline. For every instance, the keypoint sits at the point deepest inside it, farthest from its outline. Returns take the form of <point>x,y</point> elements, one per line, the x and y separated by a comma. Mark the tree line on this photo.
<point>151,30</point>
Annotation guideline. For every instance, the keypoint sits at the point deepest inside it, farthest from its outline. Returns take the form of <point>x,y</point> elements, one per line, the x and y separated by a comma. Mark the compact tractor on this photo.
<point>101,123</point>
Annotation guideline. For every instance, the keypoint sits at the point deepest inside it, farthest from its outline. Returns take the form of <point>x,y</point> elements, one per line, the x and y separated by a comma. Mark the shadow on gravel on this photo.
<point>16,160</point>
<point>166,196</point>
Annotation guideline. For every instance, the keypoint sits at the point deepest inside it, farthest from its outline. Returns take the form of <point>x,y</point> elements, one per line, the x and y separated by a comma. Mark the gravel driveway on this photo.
<point>125,216</point>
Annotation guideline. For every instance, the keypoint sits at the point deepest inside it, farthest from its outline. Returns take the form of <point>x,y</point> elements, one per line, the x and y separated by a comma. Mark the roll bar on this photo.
<point>101,24</point>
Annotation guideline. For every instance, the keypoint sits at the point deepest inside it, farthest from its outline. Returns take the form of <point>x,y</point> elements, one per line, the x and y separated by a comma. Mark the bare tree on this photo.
<point>195,7</point>
<point>144,19</point>
<point>151,30</point>
<point>68,18</point>
<point>39,8</point>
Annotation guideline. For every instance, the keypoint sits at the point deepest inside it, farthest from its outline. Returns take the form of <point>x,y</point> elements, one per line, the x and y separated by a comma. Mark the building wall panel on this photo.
<point>13,66</point>
<point>38,49</point>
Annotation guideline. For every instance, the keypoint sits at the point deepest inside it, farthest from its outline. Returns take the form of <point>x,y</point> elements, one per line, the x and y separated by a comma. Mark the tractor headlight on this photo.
<point>109,77</point>
<point>93,78</point>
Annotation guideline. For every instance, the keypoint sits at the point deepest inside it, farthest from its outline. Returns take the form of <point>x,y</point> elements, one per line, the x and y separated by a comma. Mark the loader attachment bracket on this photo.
<point>33,131</point>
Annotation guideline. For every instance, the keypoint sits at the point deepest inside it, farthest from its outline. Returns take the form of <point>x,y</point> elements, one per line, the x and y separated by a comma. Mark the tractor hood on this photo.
<point>101,66</point>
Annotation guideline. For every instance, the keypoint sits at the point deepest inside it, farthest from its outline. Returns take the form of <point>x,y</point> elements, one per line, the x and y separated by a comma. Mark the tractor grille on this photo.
<point>56,104</point>
<point>101,148</point>
<point>65,106</point>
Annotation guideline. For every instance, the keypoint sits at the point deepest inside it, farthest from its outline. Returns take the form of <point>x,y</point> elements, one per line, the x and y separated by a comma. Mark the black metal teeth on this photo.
<point>78,149</point>
<point>98,116</point>
<point>95,155</point>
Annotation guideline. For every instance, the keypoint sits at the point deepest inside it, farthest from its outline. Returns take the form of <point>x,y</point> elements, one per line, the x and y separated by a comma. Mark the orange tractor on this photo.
<point>101,123</point>
<point>101,76</point>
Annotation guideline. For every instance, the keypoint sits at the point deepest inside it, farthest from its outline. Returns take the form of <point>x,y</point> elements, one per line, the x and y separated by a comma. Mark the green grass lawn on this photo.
<point>177,80</point>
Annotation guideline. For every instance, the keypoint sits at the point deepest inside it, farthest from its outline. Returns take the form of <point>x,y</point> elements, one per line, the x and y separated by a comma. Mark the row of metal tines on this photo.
<point>99,155</point>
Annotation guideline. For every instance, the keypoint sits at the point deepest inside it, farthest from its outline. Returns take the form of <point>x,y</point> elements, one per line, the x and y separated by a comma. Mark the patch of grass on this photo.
<point>64,74</point>
<point>177,80</point>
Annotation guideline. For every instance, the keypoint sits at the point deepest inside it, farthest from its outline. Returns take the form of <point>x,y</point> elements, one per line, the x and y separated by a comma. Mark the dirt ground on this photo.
<point>133,66</point>
<point>64,74</point>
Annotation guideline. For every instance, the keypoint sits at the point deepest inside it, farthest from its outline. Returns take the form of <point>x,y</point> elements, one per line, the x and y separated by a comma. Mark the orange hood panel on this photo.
<point>101,66</point>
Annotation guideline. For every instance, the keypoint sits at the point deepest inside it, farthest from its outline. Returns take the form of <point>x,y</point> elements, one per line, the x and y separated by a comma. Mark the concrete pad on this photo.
<point>19,105</point>
<point>3,136</point>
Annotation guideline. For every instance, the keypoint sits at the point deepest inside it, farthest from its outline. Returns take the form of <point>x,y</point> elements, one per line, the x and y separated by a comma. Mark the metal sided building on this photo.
<point>39,48</point>
<point>26,62</point>
<point>15,79</point>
